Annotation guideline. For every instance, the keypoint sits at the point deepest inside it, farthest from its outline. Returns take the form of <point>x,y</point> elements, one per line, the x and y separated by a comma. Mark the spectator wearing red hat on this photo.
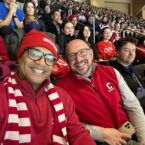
<point>74,19</point>
<point>32,110</point>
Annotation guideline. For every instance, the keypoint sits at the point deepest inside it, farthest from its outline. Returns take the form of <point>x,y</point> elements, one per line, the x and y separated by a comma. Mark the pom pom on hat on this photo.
<point>37,39</point>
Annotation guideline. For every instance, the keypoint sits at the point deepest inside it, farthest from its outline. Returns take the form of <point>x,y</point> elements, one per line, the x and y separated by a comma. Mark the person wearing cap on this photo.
<point>104,102</point>
<point>32,110</point>
<point>74,19</point>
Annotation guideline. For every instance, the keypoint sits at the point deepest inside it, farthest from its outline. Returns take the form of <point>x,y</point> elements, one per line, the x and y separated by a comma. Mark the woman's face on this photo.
<point>127,29</point>
<point>30,9</point>
<point>117,27</point>
<point>106,34</point>
<point>74,21</point>
<point>86,32</point>
<point>69,29</point>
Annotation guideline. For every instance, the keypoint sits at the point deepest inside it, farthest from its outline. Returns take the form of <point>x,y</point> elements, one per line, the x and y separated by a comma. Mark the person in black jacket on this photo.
<point>66,36</point>
<point>126,53</point>
<point>52,21</point>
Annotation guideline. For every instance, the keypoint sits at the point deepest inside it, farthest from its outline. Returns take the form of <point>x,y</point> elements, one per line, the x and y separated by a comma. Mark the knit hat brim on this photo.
<point>37,39</point>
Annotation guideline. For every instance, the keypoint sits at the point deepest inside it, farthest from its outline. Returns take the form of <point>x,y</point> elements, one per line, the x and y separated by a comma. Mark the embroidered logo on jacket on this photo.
<point>109,86</point>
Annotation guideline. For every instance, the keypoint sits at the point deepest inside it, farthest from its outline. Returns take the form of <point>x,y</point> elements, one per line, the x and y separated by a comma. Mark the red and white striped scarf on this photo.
<point>18,129</point>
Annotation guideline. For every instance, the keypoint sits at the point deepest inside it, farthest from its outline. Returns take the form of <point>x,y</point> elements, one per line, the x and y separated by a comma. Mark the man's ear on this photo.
<point>92,53</point>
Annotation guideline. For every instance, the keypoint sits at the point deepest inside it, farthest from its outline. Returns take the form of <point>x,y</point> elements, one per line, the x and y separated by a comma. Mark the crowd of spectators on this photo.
<point>51,16</point>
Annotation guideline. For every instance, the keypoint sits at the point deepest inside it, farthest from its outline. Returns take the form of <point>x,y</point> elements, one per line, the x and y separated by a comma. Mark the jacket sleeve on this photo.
<point>77,134</point>
<point>3,111</point>
<point>96,132</point>
<point>133,108</point>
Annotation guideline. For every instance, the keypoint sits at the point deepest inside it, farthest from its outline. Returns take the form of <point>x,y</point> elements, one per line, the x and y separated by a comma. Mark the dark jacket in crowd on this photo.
<point>134,83</point>
<point>62,41</point>
<point>49,25</point>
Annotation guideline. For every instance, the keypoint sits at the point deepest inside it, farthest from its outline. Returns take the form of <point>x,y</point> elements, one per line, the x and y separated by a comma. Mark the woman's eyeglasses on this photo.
<point>36,54</point>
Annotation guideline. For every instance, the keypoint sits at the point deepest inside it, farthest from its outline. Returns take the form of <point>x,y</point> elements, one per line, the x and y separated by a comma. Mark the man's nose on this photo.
<point>41,61</point>
<point>78,57</point>
<point>131,52</point>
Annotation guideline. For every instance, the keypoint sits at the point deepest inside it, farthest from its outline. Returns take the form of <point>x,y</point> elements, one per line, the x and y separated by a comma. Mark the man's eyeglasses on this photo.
<point>35,54</point>
<point>81,53</point>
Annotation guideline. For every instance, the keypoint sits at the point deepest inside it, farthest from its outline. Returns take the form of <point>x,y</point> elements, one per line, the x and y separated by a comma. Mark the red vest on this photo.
<point>97,102</point>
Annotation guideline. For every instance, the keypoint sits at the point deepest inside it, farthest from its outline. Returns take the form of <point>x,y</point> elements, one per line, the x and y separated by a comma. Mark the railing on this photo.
<point>143,34</point>
<point>136,32</point>
<point>140,49</point>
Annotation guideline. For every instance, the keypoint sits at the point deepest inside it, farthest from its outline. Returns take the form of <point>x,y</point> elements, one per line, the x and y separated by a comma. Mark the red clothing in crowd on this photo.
<point>115,36</point>
<point>42,116</point>
<point>3,50</point>
<point>140,53</point>
<point>106,50</point>
<point>98,102</point>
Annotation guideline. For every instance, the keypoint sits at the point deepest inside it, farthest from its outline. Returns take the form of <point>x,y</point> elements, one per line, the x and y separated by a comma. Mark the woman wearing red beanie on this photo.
<point>74,19</point>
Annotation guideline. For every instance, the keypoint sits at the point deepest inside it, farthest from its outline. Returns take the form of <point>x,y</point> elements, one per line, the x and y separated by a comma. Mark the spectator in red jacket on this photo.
<point>105,47</point>
<point>3,50</point>
<point>103,100</point>
<point>116,33</point>
<point>5,64</point>
<point>32,110</point>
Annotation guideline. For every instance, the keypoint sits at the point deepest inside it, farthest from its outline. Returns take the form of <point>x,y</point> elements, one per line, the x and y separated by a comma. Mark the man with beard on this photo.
<point>104,102</point>
<point>32,110</point>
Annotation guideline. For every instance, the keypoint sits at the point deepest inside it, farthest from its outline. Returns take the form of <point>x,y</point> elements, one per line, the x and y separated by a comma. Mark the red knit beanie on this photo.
<point>37,39</point>
<point>73,16</point>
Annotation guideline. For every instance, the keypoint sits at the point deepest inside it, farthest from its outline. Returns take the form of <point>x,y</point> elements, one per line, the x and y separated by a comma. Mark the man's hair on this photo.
<point>121,42</point>
<point>53,11</point>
